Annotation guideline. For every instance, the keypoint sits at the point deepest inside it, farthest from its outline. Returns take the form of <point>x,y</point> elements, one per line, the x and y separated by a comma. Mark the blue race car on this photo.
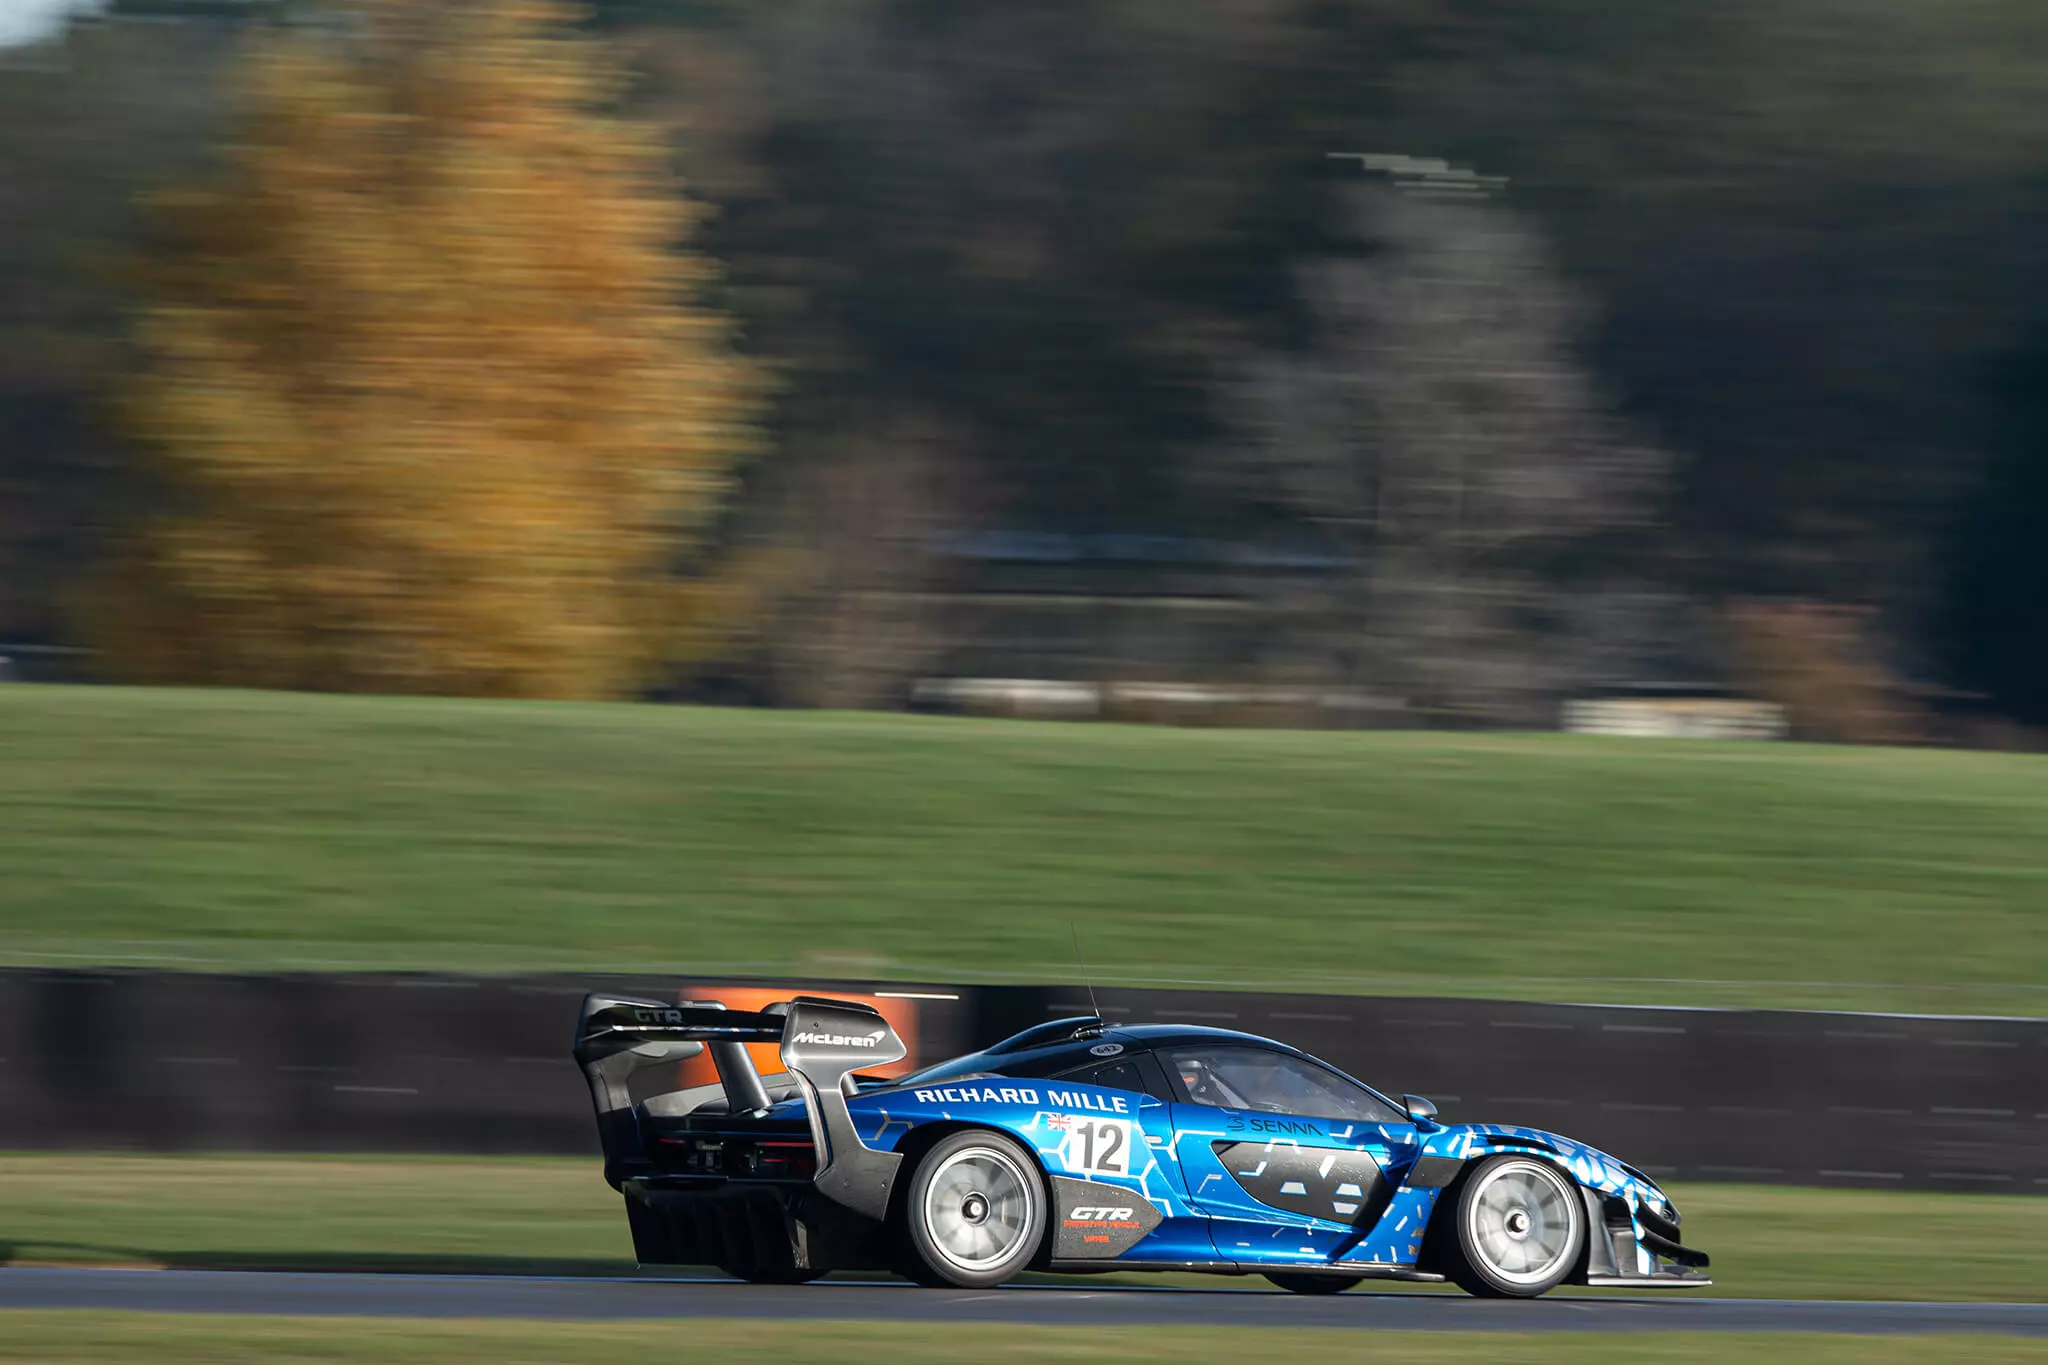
<point>1083,1146</point>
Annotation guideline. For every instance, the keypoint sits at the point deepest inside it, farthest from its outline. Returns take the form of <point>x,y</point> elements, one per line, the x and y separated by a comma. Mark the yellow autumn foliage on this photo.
<point>432,399</point>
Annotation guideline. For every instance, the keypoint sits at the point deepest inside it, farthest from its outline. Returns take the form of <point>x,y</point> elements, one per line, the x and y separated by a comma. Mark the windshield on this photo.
<point>1276,1083</point>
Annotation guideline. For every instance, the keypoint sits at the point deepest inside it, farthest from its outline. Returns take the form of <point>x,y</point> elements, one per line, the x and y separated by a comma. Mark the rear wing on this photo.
<point>822,1043</point>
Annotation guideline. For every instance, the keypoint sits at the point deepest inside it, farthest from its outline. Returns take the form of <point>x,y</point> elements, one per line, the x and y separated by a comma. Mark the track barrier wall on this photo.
<point>423,1063</point>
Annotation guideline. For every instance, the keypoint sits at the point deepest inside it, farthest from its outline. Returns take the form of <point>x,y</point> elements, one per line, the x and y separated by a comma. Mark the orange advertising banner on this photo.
<point>901,1015</point>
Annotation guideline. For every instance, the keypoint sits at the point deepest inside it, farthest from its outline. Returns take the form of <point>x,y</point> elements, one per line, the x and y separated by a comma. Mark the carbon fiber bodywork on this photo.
<point>1136,1175</point>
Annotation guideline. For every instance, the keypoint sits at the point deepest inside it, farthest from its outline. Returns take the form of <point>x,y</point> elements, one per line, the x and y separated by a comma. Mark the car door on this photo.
<point>1125,1145</point>
<point>1287,1157</point>
<point>1132,1149</point>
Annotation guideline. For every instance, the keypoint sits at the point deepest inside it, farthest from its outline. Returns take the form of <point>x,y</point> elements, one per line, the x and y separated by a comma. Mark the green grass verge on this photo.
<point>251,830</point>
<point>557,1216</point>
<point>166,1339</point>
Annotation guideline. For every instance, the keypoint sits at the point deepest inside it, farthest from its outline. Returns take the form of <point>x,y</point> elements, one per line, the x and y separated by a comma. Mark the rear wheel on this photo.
<point>1313,1284</point>
<point>1520,1228</point>
<point>974,1212</point>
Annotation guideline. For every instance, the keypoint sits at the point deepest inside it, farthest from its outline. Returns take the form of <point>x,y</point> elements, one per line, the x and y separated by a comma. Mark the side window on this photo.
<point>1274,1083</point>
<point>1112,1075</point>
<point>1127,1073</point>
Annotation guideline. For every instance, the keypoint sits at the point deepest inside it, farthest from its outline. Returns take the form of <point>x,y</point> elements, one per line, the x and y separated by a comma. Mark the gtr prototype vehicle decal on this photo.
<point>1080,1146</point>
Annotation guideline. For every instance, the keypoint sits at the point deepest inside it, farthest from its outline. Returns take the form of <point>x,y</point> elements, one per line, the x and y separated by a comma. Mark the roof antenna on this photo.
<point>1093,1008</point>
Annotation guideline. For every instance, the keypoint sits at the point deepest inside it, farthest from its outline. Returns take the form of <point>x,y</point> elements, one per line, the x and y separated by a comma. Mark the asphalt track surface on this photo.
<point>457,1296</point>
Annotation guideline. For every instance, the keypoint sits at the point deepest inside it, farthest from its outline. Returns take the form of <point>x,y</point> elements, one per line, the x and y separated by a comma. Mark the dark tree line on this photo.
<point>1755,317</point>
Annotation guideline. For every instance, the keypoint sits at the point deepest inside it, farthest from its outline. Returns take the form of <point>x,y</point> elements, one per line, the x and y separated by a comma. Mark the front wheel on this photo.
<point>1314,1284</point>
<point>974,1213</point>
<point>1521,1228</point>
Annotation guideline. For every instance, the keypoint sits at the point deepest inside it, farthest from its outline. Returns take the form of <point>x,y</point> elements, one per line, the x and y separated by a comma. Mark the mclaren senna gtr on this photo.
<point>1085,1146</point>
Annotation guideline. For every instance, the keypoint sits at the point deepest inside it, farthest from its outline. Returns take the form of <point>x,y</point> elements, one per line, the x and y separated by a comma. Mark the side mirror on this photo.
<point>1419,1109</point>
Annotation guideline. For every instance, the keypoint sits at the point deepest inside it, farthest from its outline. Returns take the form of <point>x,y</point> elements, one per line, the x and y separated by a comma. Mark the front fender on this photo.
<point>1592,1168</point>
<point>1631,1223</point>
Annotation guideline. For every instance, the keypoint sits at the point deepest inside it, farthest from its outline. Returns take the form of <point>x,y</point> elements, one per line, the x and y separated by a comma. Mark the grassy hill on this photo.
<point>251,830</point>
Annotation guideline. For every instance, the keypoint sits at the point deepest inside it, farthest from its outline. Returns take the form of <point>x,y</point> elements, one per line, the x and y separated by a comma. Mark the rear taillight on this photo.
<point>738,1159</point>
<point>784,1160</point>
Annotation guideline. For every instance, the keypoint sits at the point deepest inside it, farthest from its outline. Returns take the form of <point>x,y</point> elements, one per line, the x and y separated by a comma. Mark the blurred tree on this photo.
<point>1811,223</point>
<point>1054,231</point>
<point>857,610</point>
<point>432,401</point>
<point>113,107</point>
<point>1441,429</point>
<point>1997,637</point>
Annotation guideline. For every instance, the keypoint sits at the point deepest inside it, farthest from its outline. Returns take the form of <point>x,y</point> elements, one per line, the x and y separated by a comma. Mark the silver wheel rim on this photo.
<point>977,1208</point>
<point>1521,1219</point>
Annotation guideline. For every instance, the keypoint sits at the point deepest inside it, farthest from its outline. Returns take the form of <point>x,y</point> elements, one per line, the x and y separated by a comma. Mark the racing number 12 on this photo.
<point>1100,1145</point>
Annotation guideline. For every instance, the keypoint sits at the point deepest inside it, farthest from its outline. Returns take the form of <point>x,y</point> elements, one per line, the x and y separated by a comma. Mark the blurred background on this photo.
<point>1405,364</point>
<point>1443,372</point>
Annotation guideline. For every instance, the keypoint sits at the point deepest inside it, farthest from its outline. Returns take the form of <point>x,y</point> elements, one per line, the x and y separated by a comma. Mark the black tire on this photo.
<point>1518,1228</point>
<point>973,1212</point>
<point>1314,1284</point>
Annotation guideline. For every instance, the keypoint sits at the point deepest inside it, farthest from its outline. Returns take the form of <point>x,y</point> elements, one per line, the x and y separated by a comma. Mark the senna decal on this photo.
<point>1096,1221</point>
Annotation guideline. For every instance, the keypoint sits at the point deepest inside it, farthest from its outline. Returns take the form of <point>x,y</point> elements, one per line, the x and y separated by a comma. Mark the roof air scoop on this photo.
<point>1054,1031</point>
